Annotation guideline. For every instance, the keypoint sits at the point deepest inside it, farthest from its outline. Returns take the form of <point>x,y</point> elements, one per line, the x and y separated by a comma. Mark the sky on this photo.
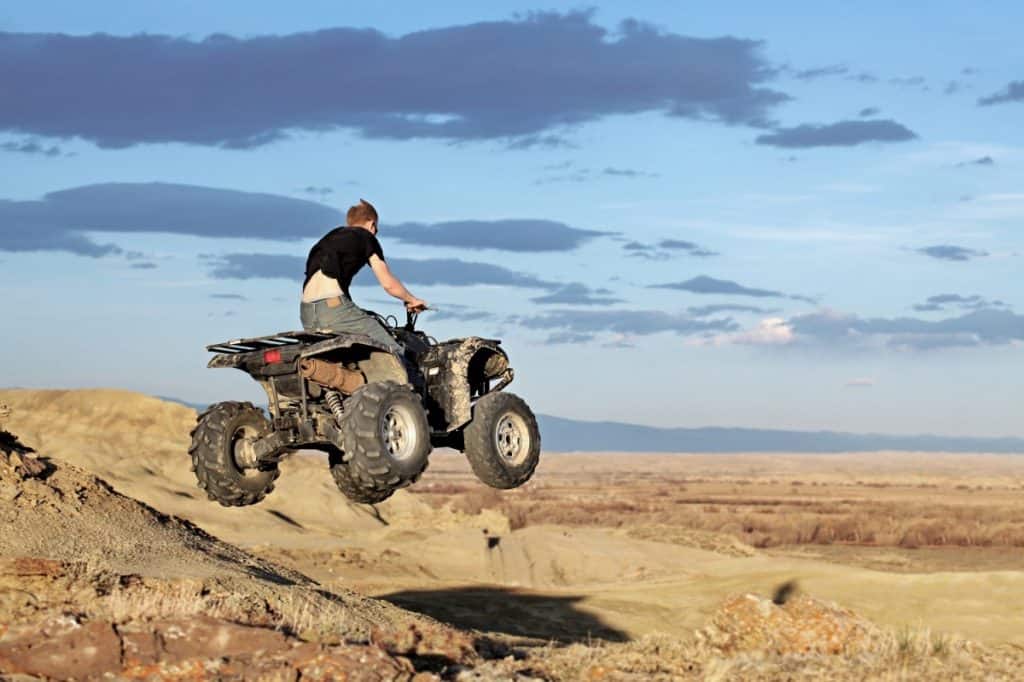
<point>795,215</point>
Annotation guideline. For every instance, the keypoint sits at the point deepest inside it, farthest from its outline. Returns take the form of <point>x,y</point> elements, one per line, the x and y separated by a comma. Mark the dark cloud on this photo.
<point>230,297</point>
<point>709,285</point>
<point>635,322</point>
<point>952,253</point>
<point>981,161</point>
<point>1013,92</point>
<point>59,220</point>
<point>868,112</point>
<point>821,72</point>
<point>628,173</point>
<point>714,309</point>
<point>980,327</point>
<point>665,249</point>
<point>940,302</point>
<point>841,134</point>
<point>31,147</point>
<point>577,294</point>
<point>516,79</point>
<point>144,265</point>
<point>435,271</point>
<point>504,235</point>
<point>863,77</point>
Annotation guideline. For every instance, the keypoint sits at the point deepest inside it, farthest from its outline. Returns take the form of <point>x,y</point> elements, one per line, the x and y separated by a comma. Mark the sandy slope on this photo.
<point>552,579</point>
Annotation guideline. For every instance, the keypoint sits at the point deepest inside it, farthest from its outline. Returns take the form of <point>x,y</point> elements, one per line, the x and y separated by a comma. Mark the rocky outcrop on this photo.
<point>801,625</point>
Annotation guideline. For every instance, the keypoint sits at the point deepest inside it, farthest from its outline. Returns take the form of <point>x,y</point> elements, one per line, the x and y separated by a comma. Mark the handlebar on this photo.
<point>411,317</point>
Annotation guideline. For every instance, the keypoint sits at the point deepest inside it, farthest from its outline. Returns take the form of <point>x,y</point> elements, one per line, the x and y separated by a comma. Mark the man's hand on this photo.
<point>415,305</point>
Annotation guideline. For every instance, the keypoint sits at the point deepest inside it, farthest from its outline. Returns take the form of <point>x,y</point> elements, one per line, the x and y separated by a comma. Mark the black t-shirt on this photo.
<point>341,253</point>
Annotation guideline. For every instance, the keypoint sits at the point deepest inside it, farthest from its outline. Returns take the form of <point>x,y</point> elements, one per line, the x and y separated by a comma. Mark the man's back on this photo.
<point>339,255</point>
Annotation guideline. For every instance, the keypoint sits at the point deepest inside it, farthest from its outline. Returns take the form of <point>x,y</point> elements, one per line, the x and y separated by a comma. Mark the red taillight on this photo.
<point>271,357</point>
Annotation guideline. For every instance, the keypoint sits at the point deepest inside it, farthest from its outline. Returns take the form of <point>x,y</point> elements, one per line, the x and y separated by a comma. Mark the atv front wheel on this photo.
<point>349,486</point>
<point>385,439</point>
<point>221,435</point>
<point>502,441</point>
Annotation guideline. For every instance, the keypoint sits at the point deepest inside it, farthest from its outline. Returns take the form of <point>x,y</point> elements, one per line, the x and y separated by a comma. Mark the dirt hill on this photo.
<point>95,583</point>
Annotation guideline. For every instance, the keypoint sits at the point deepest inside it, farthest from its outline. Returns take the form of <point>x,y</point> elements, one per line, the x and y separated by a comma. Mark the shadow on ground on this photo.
<point>494,609</point>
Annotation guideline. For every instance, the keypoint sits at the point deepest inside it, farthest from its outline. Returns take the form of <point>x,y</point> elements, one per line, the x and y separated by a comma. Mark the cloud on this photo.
<point>578,294</point>
<point>863,77</point>
<point>317,191</point>
<point>144,265</point>
<point>59,220</point>
<point>714,309</point>
<point>981,161</point>
<point>951,253</point>
<point>984,327</point>
<point>230,297</point>
<point>31,147</point>
<point>587,174</point>
<point>861,382</point>
<point>456,312</point>
<point>868,112</point>
<point>709,285</point>
<point>517,79</point>
<point>909,82</point>
<point>636,322</point>
<point>664,249</point>
<point>628,173</point>
<point>840,134</point>
<point>427,272</point>
<point>821,72</point>
<point>940,302</point>
<point>1013,92</point>
<point>561,338</point>
<point>505,235</point>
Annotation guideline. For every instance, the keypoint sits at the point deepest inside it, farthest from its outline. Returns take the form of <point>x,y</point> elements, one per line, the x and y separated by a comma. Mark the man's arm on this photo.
<point>393,285</point>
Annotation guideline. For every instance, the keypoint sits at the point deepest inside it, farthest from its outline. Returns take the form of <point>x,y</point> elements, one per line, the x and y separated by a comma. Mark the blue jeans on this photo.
<point>345,317</point>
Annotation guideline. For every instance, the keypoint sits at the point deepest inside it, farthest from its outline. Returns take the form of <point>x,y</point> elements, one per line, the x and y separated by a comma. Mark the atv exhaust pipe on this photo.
<point>331,375</point>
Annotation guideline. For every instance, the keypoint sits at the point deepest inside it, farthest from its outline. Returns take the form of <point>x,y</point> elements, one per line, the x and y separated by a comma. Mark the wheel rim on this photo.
<point>512,438</point>
<point>399,432</point>
<point>241,450</point>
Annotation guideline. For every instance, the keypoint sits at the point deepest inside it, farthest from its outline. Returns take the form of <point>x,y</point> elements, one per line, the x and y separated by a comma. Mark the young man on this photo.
<point>333,262</point>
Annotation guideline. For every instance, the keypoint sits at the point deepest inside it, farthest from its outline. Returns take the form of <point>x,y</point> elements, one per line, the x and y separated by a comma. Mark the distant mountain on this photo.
<point>571,435</point>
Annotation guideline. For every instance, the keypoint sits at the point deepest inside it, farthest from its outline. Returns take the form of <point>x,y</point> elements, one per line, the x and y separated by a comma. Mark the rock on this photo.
<point>63,649</point>
<point>802,625</point>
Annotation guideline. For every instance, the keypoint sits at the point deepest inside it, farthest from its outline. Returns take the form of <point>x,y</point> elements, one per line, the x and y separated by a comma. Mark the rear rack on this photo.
<point>264,342</point>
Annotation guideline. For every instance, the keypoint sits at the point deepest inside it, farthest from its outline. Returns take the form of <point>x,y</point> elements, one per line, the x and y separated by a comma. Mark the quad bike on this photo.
<point>376,414</point>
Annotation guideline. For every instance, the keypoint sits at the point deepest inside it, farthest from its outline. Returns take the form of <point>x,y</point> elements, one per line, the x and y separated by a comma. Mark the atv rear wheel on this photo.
<point>219,439</point>
<point>385,439</point>
<point>349,486</point>
<point>502,441</point>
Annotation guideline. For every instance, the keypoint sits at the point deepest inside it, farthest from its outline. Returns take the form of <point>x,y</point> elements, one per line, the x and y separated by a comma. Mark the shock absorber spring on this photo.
<point>333,399</point>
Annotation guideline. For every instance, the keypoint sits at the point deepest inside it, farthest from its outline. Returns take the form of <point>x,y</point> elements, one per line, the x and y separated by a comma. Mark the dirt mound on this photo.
<point>139,444</point>
<point>55,511</point>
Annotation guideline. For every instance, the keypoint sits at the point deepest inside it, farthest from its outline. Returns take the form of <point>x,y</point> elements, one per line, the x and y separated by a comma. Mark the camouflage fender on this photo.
<point>447,368</point>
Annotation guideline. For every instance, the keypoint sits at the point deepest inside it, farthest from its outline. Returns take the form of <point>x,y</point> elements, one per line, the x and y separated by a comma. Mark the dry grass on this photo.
<point>908,654</point>
<point>967,508</point>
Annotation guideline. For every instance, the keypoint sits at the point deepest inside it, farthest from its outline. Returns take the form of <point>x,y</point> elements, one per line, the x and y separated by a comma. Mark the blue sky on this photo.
<point>801,216</point>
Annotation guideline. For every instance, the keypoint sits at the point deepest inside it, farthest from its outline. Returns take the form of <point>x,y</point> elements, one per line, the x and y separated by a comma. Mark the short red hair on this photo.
<point>361,213</point>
